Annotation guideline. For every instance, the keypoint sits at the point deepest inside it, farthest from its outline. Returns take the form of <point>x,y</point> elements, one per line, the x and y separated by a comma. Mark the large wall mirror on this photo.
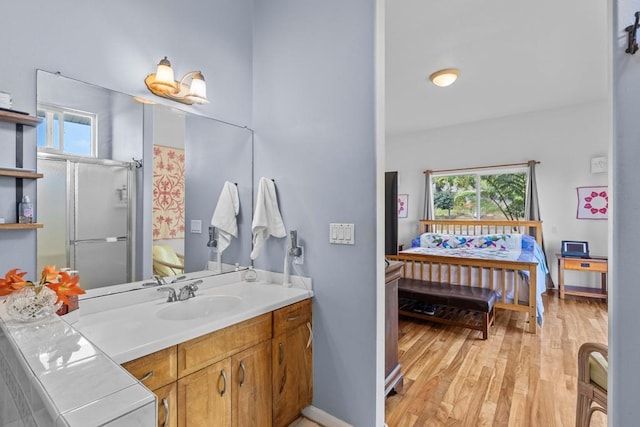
<point>129,188</point>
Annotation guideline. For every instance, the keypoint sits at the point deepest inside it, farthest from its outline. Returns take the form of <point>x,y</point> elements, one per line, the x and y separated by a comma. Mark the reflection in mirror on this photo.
<point>86,142</point>
<point>101,151</point>
<point>206,172</point>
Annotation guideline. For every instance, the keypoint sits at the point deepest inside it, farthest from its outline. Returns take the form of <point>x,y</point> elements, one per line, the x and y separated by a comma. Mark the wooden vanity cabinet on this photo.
<point>158,372</point>
<point>292,362</point>
<point>225,376</point>
<point>255,373</point>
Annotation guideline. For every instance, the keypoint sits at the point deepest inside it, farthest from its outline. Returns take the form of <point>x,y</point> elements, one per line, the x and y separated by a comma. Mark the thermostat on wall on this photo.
<point>598,164</point>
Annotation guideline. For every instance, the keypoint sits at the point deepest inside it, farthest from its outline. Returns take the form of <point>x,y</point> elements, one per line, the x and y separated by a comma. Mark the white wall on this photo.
<point>315,135</point>
<point>563,140</point>
<point>624,296</point>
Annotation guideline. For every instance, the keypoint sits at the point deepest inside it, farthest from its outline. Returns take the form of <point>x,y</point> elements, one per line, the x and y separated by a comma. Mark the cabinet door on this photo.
<point>167,405</point>
<point>251,398</point>
<point>204,397</point>
<point>292,369</point>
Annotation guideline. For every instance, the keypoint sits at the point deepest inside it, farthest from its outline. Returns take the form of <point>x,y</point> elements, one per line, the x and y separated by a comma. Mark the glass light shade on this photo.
<point>198,86</point>
<point>198,89</point>
<point>444,77</point>
<point>164,75</point>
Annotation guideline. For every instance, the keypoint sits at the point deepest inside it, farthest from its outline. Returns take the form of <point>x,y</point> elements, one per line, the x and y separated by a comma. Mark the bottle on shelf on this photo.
<point>25,211</point>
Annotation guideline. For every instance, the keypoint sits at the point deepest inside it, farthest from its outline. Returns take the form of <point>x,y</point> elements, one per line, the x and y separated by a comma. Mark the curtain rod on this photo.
<point>509,165</point>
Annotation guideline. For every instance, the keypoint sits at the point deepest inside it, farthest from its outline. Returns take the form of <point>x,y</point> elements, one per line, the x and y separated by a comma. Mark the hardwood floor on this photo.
<point>454,378</point>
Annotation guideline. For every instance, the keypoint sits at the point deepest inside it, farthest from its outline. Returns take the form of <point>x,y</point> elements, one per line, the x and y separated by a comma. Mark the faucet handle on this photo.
<point>172,293</point>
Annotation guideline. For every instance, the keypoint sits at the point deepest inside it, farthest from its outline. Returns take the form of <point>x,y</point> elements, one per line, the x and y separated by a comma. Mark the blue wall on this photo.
<point>315,135</point>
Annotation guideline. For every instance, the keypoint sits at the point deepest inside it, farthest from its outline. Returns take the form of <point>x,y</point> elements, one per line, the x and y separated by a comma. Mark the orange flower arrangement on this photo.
<point>58,281</point>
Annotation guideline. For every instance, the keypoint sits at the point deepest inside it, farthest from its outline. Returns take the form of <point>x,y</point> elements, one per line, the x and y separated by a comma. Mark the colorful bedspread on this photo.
<point>509,247</point>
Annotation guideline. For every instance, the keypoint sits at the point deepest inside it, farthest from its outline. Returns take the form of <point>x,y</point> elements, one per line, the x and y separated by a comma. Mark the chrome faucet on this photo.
<point>158,281</point>
<point>188,291</point>
<point>177,279</point>
<point>172,293</point>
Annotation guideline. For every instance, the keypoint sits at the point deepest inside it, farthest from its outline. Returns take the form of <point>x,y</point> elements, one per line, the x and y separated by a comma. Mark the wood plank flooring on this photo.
<point>454,378</point>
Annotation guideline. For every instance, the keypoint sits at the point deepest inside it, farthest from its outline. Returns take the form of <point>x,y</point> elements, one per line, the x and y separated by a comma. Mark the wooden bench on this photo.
<point>466,306</point>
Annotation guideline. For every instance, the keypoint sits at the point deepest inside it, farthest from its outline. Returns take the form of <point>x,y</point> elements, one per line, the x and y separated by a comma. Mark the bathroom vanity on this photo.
<point>248,361</point>
<point>239,375</point>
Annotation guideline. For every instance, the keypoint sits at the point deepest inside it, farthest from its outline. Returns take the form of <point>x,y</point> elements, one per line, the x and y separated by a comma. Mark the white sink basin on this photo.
<point>200,306</point>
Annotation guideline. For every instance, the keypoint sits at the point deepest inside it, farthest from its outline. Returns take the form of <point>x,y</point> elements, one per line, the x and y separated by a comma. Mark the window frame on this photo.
<point>50,111</point>
<point>478,173</point>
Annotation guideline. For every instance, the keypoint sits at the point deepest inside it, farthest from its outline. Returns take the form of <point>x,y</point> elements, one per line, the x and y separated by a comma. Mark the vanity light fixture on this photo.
<point>444,77</point>
<point>163,84</point>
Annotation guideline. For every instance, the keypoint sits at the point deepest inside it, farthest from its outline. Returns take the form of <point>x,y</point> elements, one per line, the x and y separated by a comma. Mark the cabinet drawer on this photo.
<point>207,349</point>
<point>290,317</point>
<point>156,369</point>
<point>585,264</point>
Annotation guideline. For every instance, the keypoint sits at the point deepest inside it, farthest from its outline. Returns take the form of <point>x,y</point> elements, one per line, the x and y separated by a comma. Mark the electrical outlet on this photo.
<point>299,260</point>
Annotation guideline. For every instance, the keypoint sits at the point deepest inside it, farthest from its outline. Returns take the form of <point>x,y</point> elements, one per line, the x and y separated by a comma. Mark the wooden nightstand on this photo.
<point>595,264</point>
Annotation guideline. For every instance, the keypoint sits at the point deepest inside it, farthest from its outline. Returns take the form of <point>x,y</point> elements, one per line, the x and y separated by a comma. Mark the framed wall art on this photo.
<point>593,202</point>
<point>403,205</point>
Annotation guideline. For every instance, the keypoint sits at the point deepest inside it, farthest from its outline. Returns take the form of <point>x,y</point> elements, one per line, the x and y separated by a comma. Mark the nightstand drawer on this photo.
<point>586,265</point>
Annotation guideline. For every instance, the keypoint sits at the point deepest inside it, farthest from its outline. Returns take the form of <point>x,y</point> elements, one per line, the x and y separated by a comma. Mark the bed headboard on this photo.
<point>475,227</point>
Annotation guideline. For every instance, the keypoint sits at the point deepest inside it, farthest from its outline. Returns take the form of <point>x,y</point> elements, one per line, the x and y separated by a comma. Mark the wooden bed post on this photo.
<point>533,300</point>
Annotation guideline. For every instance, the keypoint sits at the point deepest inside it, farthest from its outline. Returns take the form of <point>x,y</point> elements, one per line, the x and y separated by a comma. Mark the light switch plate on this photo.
<point>598,164</point>
<point>342,234</point>
<point>196,226</point>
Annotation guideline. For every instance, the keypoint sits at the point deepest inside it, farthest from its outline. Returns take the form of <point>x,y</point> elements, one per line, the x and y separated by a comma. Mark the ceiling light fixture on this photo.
<point>444,77</point>
<point>161,83</point>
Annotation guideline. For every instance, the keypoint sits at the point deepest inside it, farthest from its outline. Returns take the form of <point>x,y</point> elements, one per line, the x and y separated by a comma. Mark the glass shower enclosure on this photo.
<point>86,206</point>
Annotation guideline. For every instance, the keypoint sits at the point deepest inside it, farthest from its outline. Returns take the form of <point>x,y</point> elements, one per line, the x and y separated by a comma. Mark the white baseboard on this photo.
<point>321,417</point>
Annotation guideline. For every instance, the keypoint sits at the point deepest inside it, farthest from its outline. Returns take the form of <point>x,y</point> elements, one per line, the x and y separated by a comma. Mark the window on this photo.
<point>67,131</point>
<point>489,194</point>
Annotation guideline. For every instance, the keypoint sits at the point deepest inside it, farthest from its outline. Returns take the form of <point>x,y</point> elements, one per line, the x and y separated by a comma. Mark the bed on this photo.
<point>505,256</point>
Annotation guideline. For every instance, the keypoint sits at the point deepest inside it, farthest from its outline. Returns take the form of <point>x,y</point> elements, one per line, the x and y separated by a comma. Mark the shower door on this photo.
<point>91,220</point>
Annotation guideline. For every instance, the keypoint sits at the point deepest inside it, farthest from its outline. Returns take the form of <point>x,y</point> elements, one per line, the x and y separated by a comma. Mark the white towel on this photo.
<point>266,219</point>
<point>224,216</point>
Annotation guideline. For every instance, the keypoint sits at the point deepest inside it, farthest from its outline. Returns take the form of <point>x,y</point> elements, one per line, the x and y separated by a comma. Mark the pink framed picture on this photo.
<point>593,203</point>
<point>403,205</point>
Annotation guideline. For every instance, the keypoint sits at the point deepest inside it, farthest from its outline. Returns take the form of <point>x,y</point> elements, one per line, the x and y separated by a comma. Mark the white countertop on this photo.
<point>75,362</point>
<point>125,333</point>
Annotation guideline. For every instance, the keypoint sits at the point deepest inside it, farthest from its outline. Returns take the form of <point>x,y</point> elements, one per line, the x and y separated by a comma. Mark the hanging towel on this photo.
<point>266,219</point>
<point>224,216</point>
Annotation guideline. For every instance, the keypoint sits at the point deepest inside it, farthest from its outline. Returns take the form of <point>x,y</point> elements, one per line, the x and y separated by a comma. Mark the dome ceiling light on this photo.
<point>444,77</point>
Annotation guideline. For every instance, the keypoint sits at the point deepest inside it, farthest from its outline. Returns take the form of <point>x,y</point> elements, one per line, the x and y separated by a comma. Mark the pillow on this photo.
<point>445,241</point>
<point>482,241</point>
